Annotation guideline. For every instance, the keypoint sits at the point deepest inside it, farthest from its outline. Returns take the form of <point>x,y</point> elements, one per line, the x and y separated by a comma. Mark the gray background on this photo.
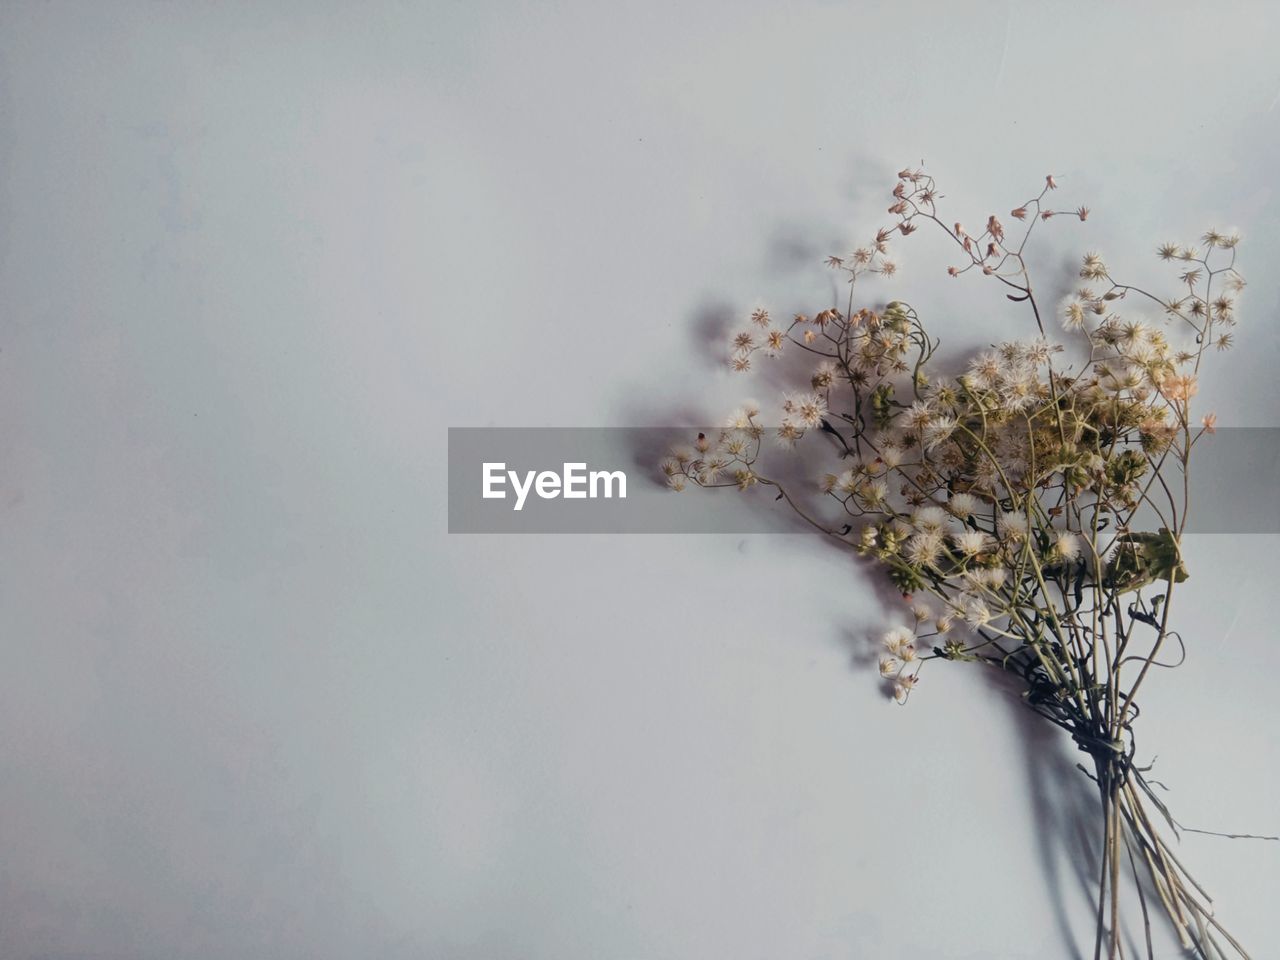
<point>256,258</point>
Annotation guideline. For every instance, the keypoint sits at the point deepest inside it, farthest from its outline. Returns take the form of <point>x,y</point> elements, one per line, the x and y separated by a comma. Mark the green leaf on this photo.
<point>1143,558</point>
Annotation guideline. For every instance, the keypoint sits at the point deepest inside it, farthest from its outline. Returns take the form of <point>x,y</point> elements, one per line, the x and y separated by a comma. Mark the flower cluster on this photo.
<point>1011,491</point>
<point>992,486</point>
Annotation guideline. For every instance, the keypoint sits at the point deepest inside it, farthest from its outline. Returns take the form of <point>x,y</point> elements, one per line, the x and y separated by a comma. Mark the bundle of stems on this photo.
<point>1030,509</point>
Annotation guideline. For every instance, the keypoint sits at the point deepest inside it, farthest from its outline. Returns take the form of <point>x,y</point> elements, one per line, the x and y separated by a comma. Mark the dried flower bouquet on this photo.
<point>1005,502</point>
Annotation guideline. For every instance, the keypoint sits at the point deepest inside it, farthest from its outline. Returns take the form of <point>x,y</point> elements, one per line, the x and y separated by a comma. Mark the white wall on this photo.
<point>255,258</point>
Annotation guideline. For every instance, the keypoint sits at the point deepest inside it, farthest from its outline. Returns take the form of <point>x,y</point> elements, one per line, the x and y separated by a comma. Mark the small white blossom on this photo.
<point>807,409</point>
<point>875,492</point>
<point>938,430</point>
<point>897,638</point>
<point>1068,545</point>
<point>788,434</point>
<point>1073,315</point>
<point>918,415</point>
<point>984,371</point>
<point>972,542</point>
<point>976,613</point>
<point>929,518</point>
<point>988,578</point>
<point>1012,526</point>
<point>925,548</point>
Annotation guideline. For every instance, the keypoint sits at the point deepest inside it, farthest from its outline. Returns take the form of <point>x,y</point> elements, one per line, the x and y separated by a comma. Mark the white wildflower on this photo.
<point>734,443</point>
<point>918,415</point>
<point>875,493</point>
<point>808,409</point>
<point>712,468</point>
<point>1068,545</point>
<point>976,613</point>
<point>824,376</point>
<point>937,430</point>
<point>972,542</point>
<point>929,518</point>
<point>897,638</point>
<point>925,548</point>
<point>990,578</point>
<point>788,434</point>
<point>1012,526</point>
<point>1073,315</point>
<point>1093,268</point>
<point>984,371</point>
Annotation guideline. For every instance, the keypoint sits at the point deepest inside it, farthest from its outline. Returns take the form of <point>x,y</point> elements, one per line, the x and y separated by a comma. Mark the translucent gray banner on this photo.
<point>607,480</point>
